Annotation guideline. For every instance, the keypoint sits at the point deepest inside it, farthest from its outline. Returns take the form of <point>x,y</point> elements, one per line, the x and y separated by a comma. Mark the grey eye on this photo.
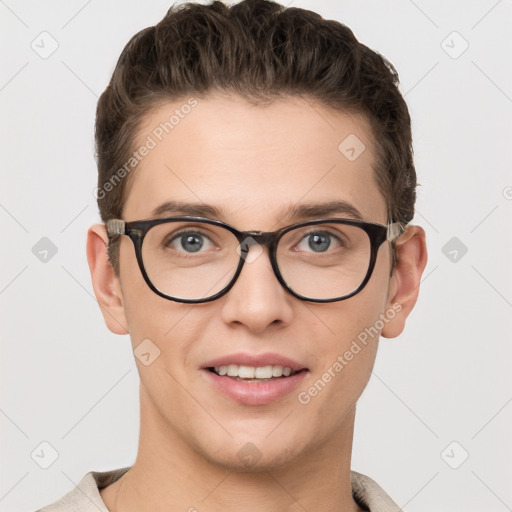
<point>189,241</point>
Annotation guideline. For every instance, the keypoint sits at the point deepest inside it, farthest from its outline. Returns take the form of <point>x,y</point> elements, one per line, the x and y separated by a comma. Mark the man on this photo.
<point>256,184</point>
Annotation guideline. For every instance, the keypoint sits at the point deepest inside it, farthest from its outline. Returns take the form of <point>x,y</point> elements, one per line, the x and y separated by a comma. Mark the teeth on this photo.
<point>251,372</point>
<point>277,371</point>
<point>246,372</point>
<point>232,370</point>
<point>263,372</point>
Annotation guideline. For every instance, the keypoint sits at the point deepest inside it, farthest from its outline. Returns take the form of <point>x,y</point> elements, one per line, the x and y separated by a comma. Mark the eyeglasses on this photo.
<point>194,259</point>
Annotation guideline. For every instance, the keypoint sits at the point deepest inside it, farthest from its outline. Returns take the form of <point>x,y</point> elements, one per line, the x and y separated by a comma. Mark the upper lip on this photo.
<point>255,360</point>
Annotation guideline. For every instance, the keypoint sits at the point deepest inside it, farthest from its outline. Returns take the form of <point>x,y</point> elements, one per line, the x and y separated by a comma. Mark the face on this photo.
<point>253,164</point>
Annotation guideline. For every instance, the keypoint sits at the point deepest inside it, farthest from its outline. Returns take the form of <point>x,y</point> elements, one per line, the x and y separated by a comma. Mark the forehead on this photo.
<point>252,164</point>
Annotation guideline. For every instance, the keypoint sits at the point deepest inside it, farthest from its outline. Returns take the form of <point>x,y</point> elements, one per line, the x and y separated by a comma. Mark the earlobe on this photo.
<point>411,256</point>
<point>105,282</point>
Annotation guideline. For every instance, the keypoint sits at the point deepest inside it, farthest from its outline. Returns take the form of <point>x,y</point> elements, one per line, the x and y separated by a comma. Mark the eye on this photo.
<point>190,242</point>
<point>319,241</point>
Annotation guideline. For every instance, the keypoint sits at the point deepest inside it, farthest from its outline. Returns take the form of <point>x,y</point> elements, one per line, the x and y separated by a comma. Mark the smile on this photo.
<point>253,373</point>
<point>252,379</point>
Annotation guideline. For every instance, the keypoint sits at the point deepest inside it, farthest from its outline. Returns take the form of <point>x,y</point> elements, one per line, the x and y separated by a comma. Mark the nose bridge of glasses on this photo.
<point>249,238</point>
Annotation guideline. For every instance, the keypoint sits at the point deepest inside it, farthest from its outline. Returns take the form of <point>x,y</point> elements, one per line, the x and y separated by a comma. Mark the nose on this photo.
<point>257,299</point>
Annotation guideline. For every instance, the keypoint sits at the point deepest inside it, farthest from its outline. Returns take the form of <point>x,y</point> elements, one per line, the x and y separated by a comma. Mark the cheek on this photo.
<point>160,326</point>
<point>343,322</point>
<point>350,334</point>
<point>345,367</point>
<point>172,327</point>
<point>151,319</point>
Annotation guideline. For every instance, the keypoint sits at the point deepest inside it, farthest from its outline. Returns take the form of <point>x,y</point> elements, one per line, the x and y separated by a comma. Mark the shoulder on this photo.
<point>85,497</point>
<point>369,494</point>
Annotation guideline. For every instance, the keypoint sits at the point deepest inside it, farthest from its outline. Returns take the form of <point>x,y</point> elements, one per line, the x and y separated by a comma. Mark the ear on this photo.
<point>411,256</point>
<point>106,284</point>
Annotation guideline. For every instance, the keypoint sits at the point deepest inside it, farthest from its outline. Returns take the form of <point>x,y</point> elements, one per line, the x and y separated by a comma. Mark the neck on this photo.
<point>170,474</point>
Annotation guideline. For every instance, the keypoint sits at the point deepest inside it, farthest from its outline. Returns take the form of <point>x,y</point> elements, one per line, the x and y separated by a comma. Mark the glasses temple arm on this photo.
<point>395,229</point>
<point>115,227</point>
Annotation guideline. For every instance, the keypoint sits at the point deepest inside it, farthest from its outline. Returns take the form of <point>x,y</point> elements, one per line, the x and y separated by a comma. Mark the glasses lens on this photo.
<point>190,260</point>
<point>324,261</point>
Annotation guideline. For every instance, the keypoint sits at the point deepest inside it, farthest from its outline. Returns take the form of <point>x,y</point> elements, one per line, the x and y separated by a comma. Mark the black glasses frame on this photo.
<point>137,230</point>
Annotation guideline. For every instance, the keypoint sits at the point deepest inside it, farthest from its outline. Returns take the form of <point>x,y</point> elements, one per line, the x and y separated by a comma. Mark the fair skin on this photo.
<point>251,162</point>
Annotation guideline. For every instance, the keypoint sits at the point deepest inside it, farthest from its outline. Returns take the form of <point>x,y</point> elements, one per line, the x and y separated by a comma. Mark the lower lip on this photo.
<point>255,393</point>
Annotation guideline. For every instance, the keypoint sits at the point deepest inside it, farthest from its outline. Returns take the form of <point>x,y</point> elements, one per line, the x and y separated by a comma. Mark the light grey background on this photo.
<point>71,383</point>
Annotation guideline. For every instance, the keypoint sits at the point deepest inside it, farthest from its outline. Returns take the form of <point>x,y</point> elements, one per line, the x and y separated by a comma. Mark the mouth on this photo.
<point>254,380</point>
<point>254,374</point>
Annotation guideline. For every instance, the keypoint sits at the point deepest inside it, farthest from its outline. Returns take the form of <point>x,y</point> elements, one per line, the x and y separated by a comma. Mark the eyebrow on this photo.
<point>316,210</point>
<point>288,213</point>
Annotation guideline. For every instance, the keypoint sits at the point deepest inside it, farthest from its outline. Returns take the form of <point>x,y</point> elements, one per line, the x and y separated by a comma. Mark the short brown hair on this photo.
<point>259,50</point>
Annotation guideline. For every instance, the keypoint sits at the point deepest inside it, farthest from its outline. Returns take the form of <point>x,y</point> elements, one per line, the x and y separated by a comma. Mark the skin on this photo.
<point>249,161</point>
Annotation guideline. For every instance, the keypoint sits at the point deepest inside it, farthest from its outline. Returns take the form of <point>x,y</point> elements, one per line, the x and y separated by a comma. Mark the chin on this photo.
<point>255,454</point>
<point>257,462</point>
